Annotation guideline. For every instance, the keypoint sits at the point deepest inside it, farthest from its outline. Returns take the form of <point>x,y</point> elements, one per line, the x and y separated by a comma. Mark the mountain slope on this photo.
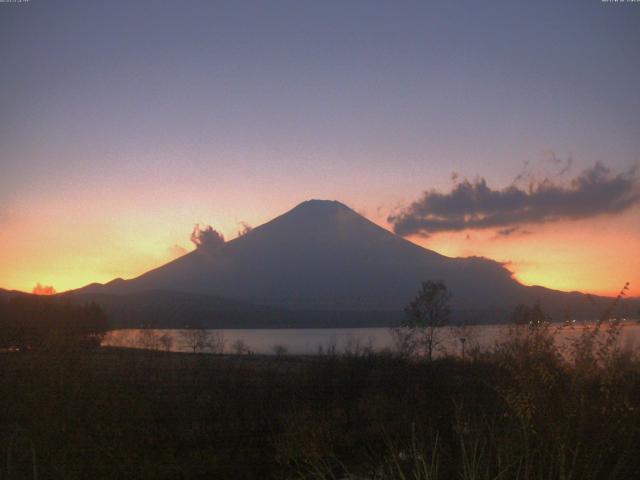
<point>323,256</point>
<point>162,309</point>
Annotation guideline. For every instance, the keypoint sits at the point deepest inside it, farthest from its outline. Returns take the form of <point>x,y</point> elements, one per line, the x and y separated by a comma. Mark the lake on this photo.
<point>341,340</point>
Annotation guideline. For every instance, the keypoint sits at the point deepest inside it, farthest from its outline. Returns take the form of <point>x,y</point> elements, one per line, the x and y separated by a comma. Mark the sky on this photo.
<point>125,123</point>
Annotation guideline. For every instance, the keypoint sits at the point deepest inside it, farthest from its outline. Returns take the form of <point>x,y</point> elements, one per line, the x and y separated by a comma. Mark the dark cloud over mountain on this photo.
<point>475,205</point>
<point>246,228</point>
<point>206,237</point>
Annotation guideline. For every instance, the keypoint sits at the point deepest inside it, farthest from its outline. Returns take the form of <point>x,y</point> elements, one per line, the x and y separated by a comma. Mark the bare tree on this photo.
<point>240,347</point>
<point>166,341</point>
<point>280,350</point>
<point>217,342</point>
<point>420,331</point>
<point>197,340</point>
<point>149,340</point>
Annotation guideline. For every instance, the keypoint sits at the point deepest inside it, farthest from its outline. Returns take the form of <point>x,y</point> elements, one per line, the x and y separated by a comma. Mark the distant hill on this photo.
<point>6,294</point>
<point>162,309</point>
<point>320,264</point>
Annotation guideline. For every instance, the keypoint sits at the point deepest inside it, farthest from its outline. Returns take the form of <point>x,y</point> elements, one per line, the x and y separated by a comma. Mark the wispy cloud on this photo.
<point>511,232</point>
<point>550,165</point>
<point>475,205</point>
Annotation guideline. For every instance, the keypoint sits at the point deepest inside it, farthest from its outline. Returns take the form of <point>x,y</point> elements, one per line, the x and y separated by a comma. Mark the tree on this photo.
<point>166,341</point>
<point>195,339</point>
<point>217,342</point>
<point>149,339</point>
<point>240,347</point>
<point>533,317</point>
<point>200,340</point>
<point>425,314</point>
<point>35,323</point>
<point>280,350</point>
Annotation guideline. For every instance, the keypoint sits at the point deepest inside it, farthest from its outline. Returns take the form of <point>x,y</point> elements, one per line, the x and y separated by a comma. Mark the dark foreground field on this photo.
<point>519,412</point>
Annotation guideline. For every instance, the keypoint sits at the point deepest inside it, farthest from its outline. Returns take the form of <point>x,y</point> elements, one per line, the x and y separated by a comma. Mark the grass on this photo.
<point>522,410</point>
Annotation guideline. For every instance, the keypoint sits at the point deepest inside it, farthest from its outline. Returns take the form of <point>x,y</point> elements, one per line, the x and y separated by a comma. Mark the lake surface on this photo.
<point>341,340</point>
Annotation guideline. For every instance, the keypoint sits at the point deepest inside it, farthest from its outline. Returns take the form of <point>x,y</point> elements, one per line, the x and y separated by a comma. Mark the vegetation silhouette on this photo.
<point>426,314</point>
<point>35,322</point>
<point>200,340</point>
<point>524,409</point>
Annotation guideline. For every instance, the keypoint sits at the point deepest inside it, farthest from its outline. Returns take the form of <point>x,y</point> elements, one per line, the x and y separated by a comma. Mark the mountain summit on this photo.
<point>323,256</point>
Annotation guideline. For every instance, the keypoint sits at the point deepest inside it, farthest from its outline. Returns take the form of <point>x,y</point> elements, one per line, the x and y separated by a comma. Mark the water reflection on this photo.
<point>330,340</point>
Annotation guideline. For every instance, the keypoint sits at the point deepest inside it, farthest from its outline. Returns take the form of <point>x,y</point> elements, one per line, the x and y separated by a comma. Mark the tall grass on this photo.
<point>526,409</point>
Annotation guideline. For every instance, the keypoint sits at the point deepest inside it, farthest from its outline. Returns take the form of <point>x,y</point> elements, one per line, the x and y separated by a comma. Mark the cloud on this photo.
<point>511,231</point>
<point>564,165</point>
<point>475,205</point>
<point>567,166</point>
<point>206,238</point>
<point>549,166</point>
<point>43,289</point>
<point>246,228</point>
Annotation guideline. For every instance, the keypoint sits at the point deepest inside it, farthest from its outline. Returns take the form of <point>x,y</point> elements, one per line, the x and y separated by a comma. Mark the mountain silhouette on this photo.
<point>323,260</point>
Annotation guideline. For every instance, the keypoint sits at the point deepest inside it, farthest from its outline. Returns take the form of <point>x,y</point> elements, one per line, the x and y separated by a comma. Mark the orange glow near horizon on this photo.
<point>596,256</point>
<point>121,132</point>
<point>40,289</point>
